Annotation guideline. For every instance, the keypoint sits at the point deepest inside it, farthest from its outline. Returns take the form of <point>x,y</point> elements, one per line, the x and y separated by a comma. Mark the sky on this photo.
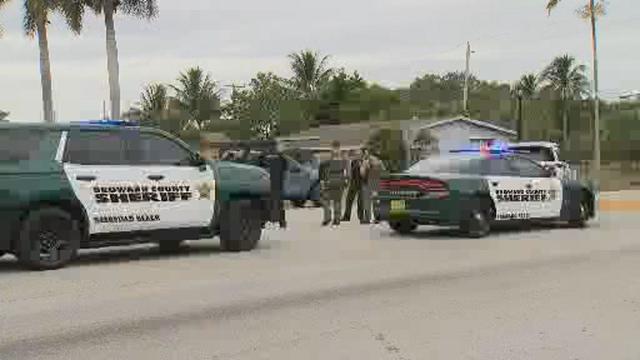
<point>388,42</point>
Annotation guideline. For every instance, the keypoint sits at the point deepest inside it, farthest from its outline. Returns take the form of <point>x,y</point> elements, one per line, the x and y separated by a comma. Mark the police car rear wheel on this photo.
<point>49,239</point>
<point>240,226</point>
<point>403,226</point>
<point>583,215</point>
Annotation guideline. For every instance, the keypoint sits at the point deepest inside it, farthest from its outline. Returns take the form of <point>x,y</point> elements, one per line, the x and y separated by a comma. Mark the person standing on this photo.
<point>353,191</point>
<point>365,189</point>
<point>371,171</point>
<point>333,179</point>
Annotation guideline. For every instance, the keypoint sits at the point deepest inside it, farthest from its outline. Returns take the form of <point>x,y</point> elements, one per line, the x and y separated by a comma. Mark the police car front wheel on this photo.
<point>476,225</point>
<point>240,226</point>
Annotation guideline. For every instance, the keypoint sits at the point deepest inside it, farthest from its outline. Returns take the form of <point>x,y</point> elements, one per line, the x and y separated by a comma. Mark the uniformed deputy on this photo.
<point>334,175</point>
<point>370,171</point>
<point>353,191</point>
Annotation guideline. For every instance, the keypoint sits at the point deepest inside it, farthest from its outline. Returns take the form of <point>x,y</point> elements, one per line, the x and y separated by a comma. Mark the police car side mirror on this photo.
<point>198,161</point>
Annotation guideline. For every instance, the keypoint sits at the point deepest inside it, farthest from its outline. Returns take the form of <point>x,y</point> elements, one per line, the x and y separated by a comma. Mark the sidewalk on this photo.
<point>625,200</point>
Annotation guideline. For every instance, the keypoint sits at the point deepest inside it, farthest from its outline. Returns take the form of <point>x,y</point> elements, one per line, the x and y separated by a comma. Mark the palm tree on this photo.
<point>35,22</point>
<point>145,9</point>
<point>569,81</point>
<point>525,89</point>
<point>310,73</point>
<point>153,102</point>
<point>197,95</point>
<point>2,4</point>
<point>310,76</point>
<point>591,11</point>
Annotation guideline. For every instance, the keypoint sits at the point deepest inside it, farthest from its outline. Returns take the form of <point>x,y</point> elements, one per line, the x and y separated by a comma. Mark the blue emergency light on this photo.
<point>106,123</point>
<point>494,148</point>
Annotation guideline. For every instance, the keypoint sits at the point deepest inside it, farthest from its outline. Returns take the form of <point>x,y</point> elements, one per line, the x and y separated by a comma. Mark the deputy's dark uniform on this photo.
<point>334,175</point>
<point>353,192</point>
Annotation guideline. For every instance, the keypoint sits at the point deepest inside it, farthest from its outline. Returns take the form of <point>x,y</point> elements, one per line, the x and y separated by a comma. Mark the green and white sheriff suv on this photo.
<point>103,183</point>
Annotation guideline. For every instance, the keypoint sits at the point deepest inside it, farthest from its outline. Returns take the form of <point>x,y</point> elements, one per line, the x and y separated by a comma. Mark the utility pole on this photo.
<point>466,82</point>
<point>596,98</point>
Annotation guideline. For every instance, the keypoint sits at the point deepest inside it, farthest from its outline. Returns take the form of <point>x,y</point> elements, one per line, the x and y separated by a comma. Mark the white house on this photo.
<point>458,133</point>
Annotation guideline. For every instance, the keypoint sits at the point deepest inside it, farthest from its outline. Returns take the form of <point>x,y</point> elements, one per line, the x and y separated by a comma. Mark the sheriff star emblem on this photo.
<point>204,190</point>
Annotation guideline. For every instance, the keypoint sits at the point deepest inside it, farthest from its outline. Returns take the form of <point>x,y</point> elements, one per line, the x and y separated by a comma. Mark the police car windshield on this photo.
<point>459,164</point>
<point>535,153</point>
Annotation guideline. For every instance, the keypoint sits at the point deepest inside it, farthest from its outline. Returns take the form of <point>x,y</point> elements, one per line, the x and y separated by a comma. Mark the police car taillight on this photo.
<point>427,186</point>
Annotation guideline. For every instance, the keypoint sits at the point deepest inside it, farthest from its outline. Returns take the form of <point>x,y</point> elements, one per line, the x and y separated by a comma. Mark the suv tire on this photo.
<point>240,226</point>
<point>169,246</point>
<point>48,240</point>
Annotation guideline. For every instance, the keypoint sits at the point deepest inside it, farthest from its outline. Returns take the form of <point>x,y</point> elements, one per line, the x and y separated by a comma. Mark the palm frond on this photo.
<point>2,4</point>
<point>145,9</point>
<point>310,72</point>
<point>599,9</point>
<point>566,78</point>
<point>73,13</point>
<point>34,11</point>
<point>551,5</point>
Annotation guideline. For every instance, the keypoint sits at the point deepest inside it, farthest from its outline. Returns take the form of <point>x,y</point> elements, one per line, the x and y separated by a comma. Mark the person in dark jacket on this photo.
<point>353,192</point>
<point>333,179</point>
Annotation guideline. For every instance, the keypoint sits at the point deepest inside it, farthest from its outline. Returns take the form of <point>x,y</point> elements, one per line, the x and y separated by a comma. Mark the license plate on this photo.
<point>397,205</point>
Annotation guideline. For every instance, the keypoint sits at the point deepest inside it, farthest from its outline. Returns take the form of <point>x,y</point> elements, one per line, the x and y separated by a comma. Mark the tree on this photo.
<point>35,22</point>
<point>388,145</point>
<point>341,85</point>
<point>154,102</point>
<point>339,90</point>
<point>145,9</point>
<point>425,140</point>
<point>2,4</point>
<point>310,73</point>
<point>4,115</point>
<point>569,81</point>
<point>525,89</point>
<point>591,11</point>
<point>274,109</point>
<point>197,95</point>
<point>310,76</point>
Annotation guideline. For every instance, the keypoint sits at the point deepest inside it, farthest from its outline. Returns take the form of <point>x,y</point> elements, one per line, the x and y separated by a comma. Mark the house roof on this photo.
<point>478,123</point>
<point>349,135</point>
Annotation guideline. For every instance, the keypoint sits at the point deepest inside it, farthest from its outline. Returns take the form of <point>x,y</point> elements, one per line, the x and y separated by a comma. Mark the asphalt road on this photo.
<point>354,292</point>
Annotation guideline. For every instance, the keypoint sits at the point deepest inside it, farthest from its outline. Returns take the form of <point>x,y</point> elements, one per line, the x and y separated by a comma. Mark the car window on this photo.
<point>452,165</point>
<point>535,153</point>
<point>514,166</point>
<point>526,167</point>
<point>153,149</point>
<point>27,145</point>
<point>96,148</point>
